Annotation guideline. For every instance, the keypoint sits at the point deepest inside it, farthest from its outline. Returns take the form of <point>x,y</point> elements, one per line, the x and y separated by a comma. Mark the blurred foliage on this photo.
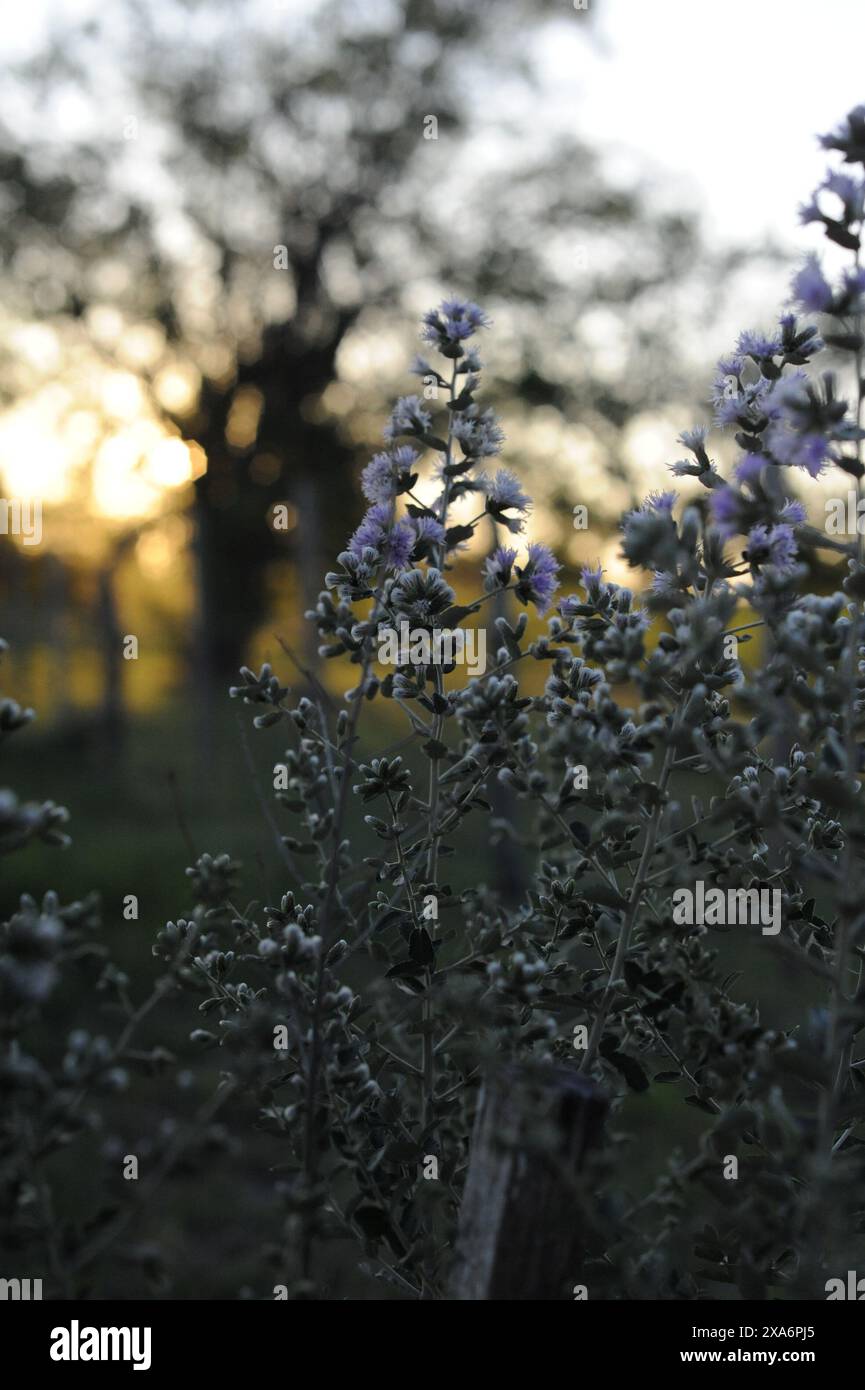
<point>223,146</point>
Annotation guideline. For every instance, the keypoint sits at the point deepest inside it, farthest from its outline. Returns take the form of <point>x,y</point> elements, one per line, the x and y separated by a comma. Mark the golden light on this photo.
<point>37,344</point>
<point>338,398</point>
<point>105,323</point>
<point>370,352</point>
<point>32,459</point>
<point>169,464</point>
<point>121,395</point>
<point>120,489</point>
<point>81,433</point>
<point>197,460</point>
<point>177,387</point>
<point>649,445</point>
<point>157,549</point>
<point>243,417</point>
<point>142,345</point>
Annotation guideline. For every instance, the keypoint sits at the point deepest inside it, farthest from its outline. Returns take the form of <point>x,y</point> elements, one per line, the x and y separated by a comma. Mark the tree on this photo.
<point>308,176</point>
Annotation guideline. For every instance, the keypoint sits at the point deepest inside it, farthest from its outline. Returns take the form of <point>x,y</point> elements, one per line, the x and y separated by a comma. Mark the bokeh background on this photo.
<point>220,221</point>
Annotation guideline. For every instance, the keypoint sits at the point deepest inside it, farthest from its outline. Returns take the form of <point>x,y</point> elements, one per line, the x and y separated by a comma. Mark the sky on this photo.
<point>725,97</point>
<point>718,102</point>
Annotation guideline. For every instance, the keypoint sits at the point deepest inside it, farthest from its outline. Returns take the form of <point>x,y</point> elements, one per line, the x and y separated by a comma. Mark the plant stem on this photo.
<point>310,1159</point>
<point>630,918</point>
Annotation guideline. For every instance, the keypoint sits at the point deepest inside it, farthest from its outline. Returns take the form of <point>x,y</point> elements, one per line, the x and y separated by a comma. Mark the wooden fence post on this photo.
<point>520,1234</point>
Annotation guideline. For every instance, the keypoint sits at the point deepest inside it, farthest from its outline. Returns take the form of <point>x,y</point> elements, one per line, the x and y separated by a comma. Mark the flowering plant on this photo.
<point>398,995</point>
<point>667,794</point>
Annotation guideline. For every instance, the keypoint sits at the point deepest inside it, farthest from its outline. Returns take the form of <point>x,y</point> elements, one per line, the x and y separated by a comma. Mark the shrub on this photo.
<point>391,995</point>
<point>690,817</point>
<point>381,1078</point>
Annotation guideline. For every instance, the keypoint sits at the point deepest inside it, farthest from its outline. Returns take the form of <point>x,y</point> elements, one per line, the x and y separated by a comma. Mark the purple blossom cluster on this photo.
<point>537,579</point>
<point>448,327</point>
<point>389,474</point>
<point>389,542</point>
<point>783,417</point>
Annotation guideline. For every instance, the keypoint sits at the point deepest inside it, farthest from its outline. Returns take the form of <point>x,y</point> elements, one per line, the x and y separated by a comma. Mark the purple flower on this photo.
<point>782,547</point>
<point>662,582</point>
<point>808,451</point>
<point>538,577</point>
<point>848,189</point>
<point>378,480</point>
<point>429,535</point>
<point>843,186</point>
<point>810,288</point>
<point>725,386</point>
<point>791,436</point>
<point>661,501</point>
<point>498,566</point>
<point>735,401</point>
<point>464,311</point>
<point>399,544</point>
<point>729,366</point>
<point>749,468</point>
<point>420,367</point>
<point>727,510</point>
<point>774,545</point>
<point>393,543</point>
<point>728,411</point>
<point>427,528</point>
<point>478,432</point>
<point>405,458</point>
<point>407,417</point>
<point>371,529</point>
<point>505,494</point>
<point>388,474</point>
<point>591,579</point>
<point>794,513</point>
<point>849,137</point>
<point>757,345</point>
<point>694,439</point>
<point>787,394</point>
<point>447,327</point>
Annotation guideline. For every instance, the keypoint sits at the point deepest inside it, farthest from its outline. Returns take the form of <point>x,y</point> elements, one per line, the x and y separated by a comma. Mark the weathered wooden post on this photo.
<point>520,1232</point>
